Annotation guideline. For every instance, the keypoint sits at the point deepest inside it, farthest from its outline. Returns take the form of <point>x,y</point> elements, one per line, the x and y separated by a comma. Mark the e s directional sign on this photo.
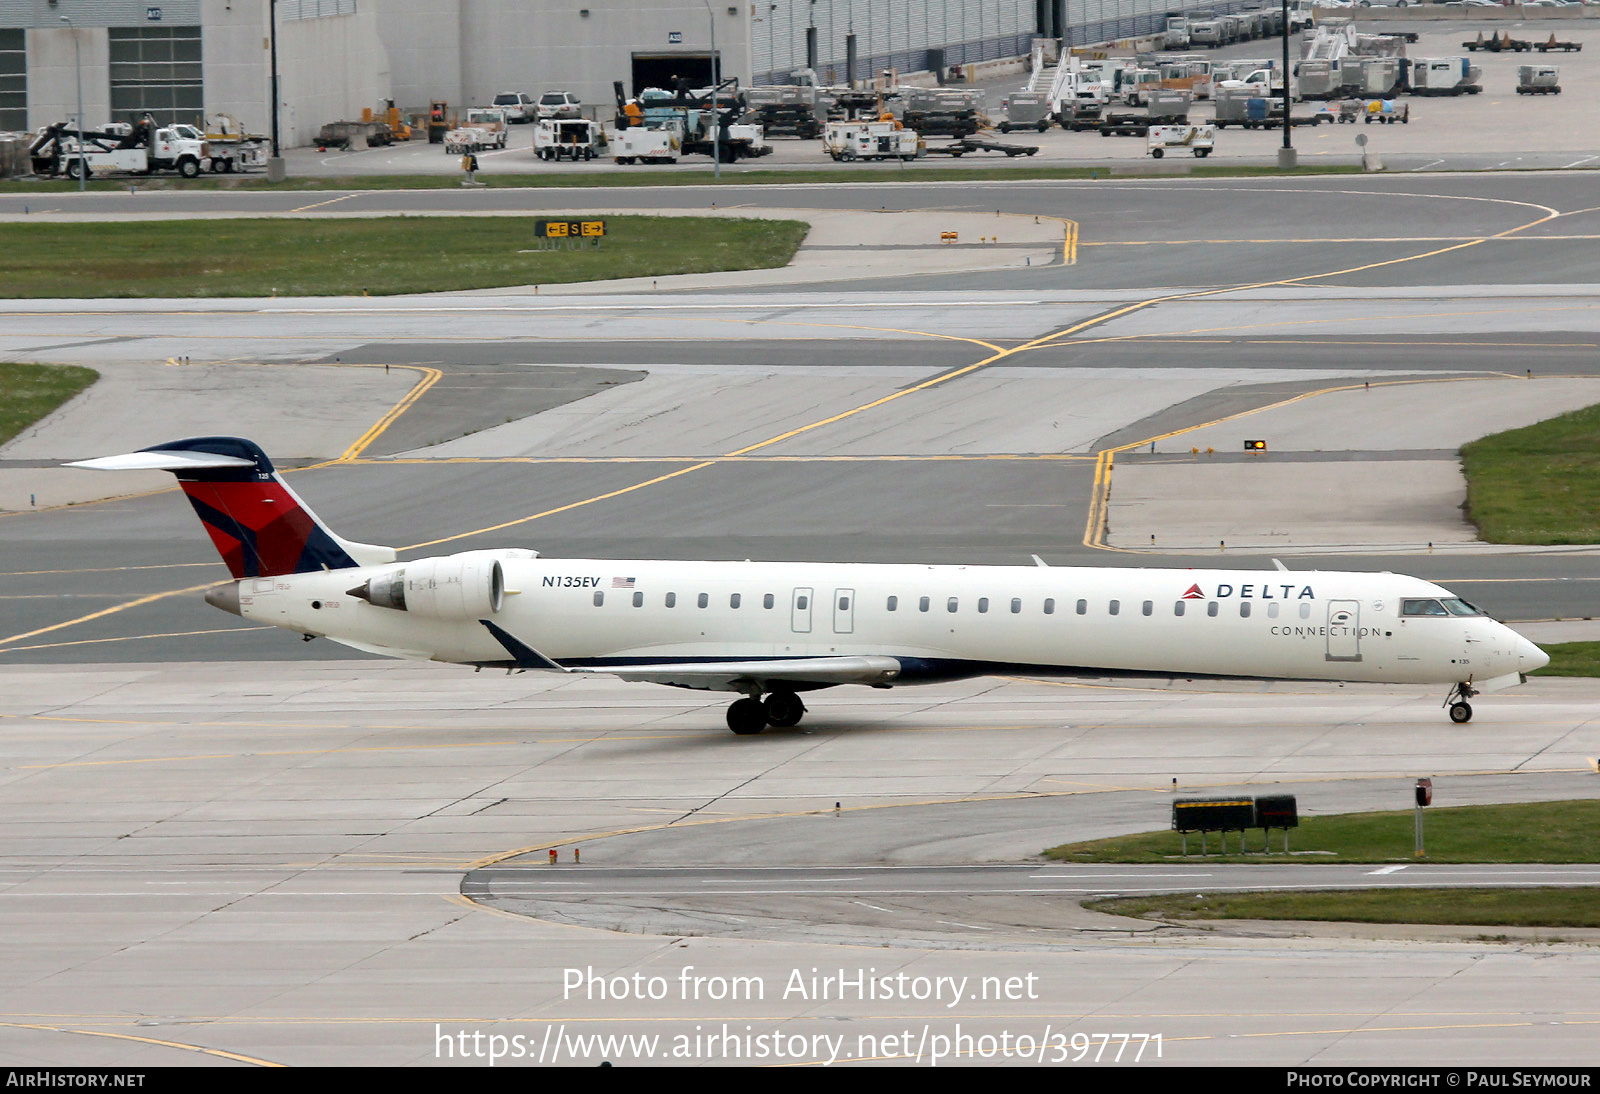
<point>569,229</point>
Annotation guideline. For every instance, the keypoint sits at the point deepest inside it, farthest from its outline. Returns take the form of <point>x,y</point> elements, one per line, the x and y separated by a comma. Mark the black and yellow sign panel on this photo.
<point>569,229</point>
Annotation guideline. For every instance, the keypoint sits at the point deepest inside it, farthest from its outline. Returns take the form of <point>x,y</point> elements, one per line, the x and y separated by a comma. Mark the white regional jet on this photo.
<point>772,630</point>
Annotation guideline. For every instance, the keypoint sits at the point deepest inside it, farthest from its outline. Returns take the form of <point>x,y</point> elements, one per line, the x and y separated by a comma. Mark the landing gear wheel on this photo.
<point>747,716</point>
<point>1460,709</point>
<point>784,709</point>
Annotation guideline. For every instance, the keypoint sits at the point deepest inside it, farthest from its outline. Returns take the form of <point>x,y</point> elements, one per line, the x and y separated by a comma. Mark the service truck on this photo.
<point>868,140</point>
<point>140,148</point>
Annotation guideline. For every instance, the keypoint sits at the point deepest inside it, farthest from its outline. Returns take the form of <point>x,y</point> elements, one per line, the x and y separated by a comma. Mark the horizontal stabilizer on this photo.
<point>160,460</point>
<point>719,675</point>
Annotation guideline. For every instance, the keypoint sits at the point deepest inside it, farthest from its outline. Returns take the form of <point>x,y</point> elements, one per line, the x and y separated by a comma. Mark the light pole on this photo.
<point>276,171</point>
<point>1286,155</point>
<point>77,64</point>
<point>716,112</point>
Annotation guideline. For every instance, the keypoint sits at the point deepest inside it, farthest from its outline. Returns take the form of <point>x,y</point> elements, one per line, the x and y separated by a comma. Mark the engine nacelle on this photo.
<point>456,588</point>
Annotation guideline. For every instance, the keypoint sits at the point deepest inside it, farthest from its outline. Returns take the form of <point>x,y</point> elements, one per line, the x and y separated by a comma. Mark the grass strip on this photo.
<point>1556,832</point>
<point>1539,484</point>
<point>29,392</point>
<point>1572,659</point>
<point>380,256</point>
<point>1567,907</point>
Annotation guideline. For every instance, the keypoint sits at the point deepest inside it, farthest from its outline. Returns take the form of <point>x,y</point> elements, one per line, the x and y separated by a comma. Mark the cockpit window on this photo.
<point>1456,606</point>
<point>1422,607</point>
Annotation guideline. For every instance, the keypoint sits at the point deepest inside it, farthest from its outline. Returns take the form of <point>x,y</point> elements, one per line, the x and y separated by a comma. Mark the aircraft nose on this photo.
<point>1529,656</point>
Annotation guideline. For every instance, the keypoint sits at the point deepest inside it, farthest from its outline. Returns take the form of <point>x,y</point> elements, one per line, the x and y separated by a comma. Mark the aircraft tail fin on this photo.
<point>257,522</point>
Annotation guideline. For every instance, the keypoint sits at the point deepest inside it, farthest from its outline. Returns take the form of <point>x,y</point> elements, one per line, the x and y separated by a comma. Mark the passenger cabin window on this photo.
<point>672,600</point>
<point>924,604</point>
<point>1116,606</point>
<point>1016,605</point>
<point>599,598</point>
<point>703,599</point>
<point>768,600</point>
<point>801,603</point>
<point>1272,610</point>
<point>1305,611</point>
<point>1049,605</point>
<point>844,604</point>
<point>1083,607</point>
<point>1211,609</point>
<point>894,603</point>
<point>638,600</point>
<point>1244,609</point>
<point>1148,607</point>
<point>951,607</point>
<point>983,604</point>
<point>733,600</point>
<point>1177,607</point>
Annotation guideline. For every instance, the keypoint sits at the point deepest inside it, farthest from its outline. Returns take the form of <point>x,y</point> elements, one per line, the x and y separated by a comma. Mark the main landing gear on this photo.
<point>782,709</point>
<point>1460,709</point>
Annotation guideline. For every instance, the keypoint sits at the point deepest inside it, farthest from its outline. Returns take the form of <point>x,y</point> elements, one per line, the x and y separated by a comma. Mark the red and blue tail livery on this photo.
<point>259,525</point>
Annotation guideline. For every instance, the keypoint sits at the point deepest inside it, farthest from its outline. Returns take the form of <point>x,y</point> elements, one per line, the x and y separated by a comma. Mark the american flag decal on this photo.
<point>622,583</point>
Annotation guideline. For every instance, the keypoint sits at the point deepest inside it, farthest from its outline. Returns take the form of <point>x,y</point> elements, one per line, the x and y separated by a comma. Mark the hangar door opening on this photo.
<point>663,69</point>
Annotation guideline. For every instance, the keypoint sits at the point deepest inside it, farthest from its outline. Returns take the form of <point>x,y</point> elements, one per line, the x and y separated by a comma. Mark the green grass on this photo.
<point>1537,485</point>
<point>1524,832</point>
<point>1576,907</point>
<point>1572,659</point>
<point>385,255</point>
<point>641,176</point>
<point>29,392</point>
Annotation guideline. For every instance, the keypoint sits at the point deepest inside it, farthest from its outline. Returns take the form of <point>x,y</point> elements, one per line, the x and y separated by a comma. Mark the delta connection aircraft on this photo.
<point>773,630</point>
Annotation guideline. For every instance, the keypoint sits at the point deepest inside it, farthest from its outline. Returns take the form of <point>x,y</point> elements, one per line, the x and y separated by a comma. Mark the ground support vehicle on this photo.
<point>353,135</point>
<point>1538,80</point>
<point>847,142</point>
<point>491,118</point>
<point>1080,112</point>
<point>648,144</point>
<point>1168,106</point>
<point>568,139</point>
<point>1026,110</point>
<point>231,148</point>
<point>138,149</point>
<point>1199,139</point>
<point>737,141</point>
<point>1553,46</point>
<point>971,144</point>
<point>1387,112</point>
<point>471,139</point>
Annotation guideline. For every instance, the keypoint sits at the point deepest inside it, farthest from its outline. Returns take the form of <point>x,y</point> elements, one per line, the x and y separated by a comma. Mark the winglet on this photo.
<point>526,656</point>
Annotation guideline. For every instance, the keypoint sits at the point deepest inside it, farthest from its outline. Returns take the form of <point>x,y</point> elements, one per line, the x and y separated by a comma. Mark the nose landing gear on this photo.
<point>782,709</point>
<point>1460,709</point>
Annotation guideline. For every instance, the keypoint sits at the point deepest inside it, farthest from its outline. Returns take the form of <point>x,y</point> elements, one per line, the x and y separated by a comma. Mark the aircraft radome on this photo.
<point>774,630</point>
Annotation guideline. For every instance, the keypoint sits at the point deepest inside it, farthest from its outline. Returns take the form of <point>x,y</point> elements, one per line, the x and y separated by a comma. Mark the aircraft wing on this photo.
<point>720,675</point>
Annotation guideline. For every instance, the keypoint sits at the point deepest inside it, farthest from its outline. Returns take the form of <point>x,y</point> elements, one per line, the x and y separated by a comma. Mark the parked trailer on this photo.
<point>1445,76</point>
<point>1554,46</point>
<point>1199,139</point>
<point>971,144</point>
<point>1125,125</point>
<point>1498,42</point>
<point>1026,110</point>
<point>1387,112</point>
<point>1538,80</point>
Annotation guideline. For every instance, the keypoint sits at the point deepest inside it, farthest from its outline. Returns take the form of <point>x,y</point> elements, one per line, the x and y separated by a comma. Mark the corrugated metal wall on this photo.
<point>899,34</point>
<point>894,34</point>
